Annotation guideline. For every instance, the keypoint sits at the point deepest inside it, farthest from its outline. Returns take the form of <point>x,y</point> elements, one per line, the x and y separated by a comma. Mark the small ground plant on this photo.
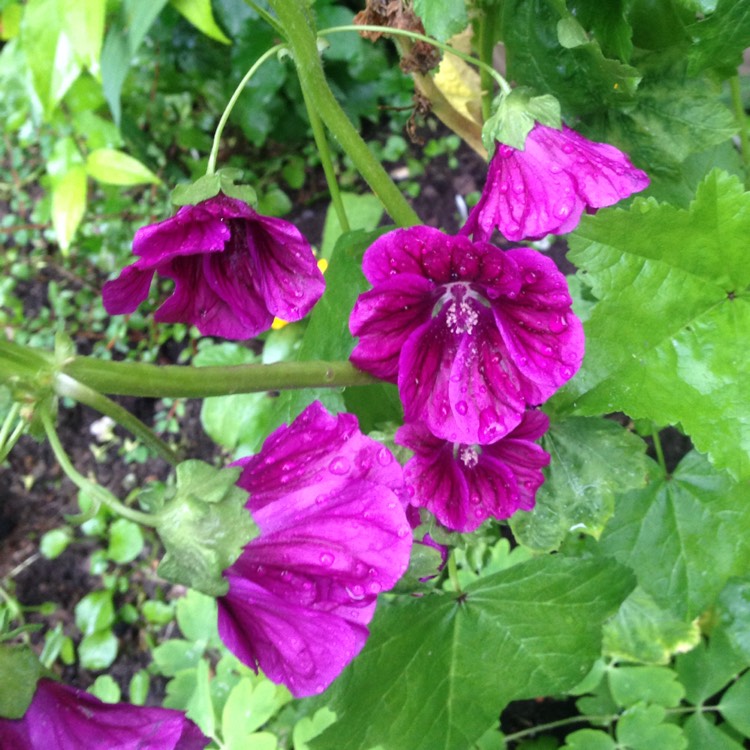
<point>449,469</point>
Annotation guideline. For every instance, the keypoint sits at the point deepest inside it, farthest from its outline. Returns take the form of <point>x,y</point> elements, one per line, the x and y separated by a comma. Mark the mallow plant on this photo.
<point>454,393</point>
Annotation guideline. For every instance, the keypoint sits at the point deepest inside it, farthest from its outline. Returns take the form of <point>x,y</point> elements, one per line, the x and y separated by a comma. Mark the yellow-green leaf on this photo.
<point>199,13</point>
<point>68,204</point>
<point>113,167</point>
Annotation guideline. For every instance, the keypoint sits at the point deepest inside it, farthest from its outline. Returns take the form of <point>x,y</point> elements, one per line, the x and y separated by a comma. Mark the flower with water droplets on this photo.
<point>545,188</point>
<point>464,485</point>
<point>234,270</point>
<point>61,717</point>
<point>328,502</point>
<point>471,334</point>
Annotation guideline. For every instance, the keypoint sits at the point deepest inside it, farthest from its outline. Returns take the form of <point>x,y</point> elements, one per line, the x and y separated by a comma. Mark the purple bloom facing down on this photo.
<point>65,718</point>
<point>545,188</point>
<point>464,485</point>
<point>333,534</point>
<point>234,270</point>
<point>471,334</point>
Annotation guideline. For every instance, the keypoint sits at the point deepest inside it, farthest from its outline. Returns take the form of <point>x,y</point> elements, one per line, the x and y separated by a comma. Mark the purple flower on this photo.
<point>333,535</point>
<point>471,334</point>
<point>234,270</point>
<point>464,485</point>
<point>545,188</point>
<point>65,718</point>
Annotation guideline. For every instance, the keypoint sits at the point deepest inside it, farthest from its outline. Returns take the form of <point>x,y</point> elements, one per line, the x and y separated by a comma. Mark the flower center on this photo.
<point>462,314</point>
<point>467,454</point>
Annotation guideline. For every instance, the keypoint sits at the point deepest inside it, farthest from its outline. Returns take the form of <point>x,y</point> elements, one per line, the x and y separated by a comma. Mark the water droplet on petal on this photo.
<point>568,148</point>
<point>530,277</point>
<point>385,457</point>
<point>326,559</point>
<point>340,466</point>
<point>462,407</point>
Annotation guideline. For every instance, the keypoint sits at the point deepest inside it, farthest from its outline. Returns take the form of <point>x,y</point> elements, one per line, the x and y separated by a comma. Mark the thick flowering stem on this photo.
<point>298,25</point>
<point>211,167</point>
<point>67,386</point>
<point>177,381</point>
<point>95,491</point>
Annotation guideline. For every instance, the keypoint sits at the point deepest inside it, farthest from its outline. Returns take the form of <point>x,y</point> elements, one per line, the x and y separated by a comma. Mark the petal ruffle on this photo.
<point>123,294</point>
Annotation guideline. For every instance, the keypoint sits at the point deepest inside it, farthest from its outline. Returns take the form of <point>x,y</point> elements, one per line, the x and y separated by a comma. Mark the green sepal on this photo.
<point>203,527</point>
<point>514,115</point>
<point>19,671</point>
<point>210,185</point>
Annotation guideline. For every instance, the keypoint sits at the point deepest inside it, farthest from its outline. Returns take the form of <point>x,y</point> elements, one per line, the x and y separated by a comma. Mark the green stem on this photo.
<point>7,446</point>
<point>211,167</point>
<point>67,386</point>
<point>98,493</point>
<point>298,25</point>
<point>486,48</point>
<point>741,117</point>
<point>658,450</point>
<point>177,381</point>
<point>321,141</point>
<point>8,422</point>
<point>607,719</point>
<point>483,66</point>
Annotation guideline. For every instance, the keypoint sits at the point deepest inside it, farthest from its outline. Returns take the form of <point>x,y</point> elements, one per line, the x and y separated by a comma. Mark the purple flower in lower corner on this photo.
<point>464,485</point>
<point>65,718</point>
<point>471,334</point>
<point>328,502</point>
<point>545,188</point>
<point>234,270</point>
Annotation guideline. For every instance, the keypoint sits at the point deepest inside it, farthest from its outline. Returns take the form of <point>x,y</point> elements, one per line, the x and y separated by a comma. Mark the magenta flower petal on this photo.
<point>464,485</point>
<point>473,335</point>
<point>545,188</point>
<point>333,534</point>
<point>65,718</point>
<point>234,270</point>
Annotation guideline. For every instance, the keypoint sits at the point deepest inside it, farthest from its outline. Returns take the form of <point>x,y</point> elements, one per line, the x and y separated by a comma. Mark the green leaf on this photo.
<point>176,655</point>
<point>666,340</point>
<point>83,22</point>
<point>95,612</point>
<point>684,535</point>
<point>54,543</point>
<point>592,460</point>
<point>720,39</point>
<point>701,734</point>
<point>138,688</point>
<point>641,631</point>
<point>156,612</point>
<point>583,78</point>
<point>190,691</point>
<point>20,670</point>
<point>113,167</point>
<point>49,51</point>
<point>310,727</point>
<point>426,662</point>
<point>589,739</point>
<point>642,728</point>
<point>125,541</point>
<point>249,706</point>
<point>197,615</point>
<point>657,685</point>
<point>734,614</point>
<point>442,18</point>
<point>672,117</point>
<point>199,13</point>
<point>362,211</point>
<point>203,527</point>
<point>734,705</point>
<point>105,689</point>
<point>98,650</point>
<point>514,116</point>
<point>68,204</point>
<point>708,668</point>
